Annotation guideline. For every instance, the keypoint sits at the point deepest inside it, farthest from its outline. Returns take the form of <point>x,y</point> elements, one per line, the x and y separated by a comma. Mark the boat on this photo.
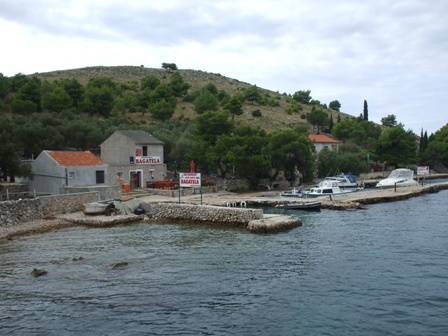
<point>326,188</point>
<point>300,206</point>
<point>346,181</point>
<point>293,193</point>
<point>401,177</point>
<point>96,208</point>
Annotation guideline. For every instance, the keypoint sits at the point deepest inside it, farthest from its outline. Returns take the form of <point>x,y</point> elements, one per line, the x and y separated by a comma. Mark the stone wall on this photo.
<point>55,205</point>
<point>26,210</point>
<point>16,212</point>
<point>105,192</point>
<point>204,213</point>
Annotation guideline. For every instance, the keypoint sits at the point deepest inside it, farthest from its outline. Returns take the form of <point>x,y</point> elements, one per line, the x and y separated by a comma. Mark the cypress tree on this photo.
<point>366,111</point>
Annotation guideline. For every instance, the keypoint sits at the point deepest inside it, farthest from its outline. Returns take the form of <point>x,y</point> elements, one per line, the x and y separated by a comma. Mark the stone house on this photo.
<point>134,158</point>
<point>56,171</point>
<point>322,141</point>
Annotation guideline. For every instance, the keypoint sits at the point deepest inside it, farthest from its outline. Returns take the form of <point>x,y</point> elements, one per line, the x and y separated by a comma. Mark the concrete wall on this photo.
<point>84,176</point>
<point>49,177</point>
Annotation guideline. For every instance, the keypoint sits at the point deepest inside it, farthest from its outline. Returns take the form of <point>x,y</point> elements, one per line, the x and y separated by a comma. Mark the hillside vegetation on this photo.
<point>272,117</point>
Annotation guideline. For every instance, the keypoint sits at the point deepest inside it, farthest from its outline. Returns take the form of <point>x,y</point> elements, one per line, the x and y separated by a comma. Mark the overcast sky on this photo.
<point>391,53</point>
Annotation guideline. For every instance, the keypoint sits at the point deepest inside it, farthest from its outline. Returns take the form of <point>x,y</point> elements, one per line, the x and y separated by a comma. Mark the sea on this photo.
<point>378,271</point>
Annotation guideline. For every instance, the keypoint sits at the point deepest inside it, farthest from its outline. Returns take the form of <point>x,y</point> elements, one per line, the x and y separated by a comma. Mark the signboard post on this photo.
<point>422,171</point>
<point>190,180</point>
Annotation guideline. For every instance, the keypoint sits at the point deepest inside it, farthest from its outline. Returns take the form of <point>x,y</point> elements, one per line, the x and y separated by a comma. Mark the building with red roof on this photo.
<point>54,171</point>
<point>322,141</point>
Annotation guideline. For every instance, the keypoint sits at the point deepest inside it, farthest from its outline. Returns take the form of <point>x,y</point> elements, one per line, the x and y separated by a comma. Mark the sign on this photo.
<point>189,179</point>
<point>147,160</point>
<point>423,170</point>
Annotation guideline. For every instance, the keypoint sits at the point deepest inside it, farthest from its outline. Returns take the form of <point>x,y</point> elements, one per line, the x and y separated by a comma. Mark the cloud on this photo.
<point>390,53</point>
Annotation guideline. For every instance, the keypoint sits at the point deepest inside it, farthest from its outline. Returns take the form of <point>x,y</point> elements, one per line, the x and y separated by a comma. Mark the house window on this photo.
<point>99,176</point>
<point>71,175</point>
<point>145,150</point>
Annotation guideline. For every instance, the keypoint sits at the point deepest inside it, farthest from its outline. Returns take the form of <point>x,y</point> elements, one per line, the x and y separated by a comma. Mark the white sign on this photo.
<point>190,179</point>
<point>147,160</point>
<point>424,170</point>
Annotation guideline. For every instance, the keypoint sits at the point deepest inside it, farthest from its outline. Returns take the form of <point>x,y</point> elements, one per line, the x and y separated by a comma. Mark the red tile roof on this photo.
<point>71,159</point>
<point>320,138</point>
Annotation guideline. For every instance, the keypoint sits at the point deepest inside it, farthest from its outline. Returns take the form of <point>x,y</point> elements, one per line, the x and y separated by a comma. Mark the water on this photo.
<point>380,271</point>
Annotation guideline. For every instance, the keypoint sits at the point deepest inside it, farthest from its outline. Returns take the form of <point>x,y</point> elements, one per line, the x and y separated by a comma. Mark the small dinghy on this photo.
<point>300,206</point>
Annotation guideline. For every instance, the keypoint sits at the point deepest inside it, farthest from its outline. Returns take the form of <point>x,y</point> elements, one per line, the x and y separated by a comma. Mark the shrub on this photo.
<point>256,113</point>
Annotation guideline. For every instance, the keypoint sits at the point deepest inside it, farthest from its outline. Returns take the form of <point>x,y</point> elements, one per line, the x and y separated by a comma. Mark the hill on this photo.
<point>272,117</point>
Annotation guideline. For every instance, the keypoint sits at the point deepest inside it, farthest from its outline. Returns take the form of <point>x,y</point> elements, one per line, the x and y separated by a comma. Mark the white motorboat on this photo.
<point>398,178</point>
<point>327,188</point>
<point>346,181</point>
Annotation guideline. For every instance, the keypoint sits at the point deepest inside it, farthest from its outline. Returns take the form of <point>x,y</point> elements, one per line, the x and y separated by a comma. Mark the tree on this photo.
<point>349,158</point>
<point>209,126</point>
<point>57,100</point>
<point>149,82</point>
<point>212,124</point>
<point>335,105</point>
<point>82,133</point>
<point>10,152</point>
<point>17,81</point>
<point>176,136</point>
<point>244,151</point>
<point>252,94</point>
<point>177,85</point>
<point>128,102</point>
<point>20,106</point>
<point>397,147</point>
<point>235,105</point>
<point>31,91</point>
<point>366,111</point>
<point>163,91</point>
<point>303,97</point>
<point>318,118</point>
<point>99,82</point>
<point>436,151</point>
<point>74,89</point>
<point>4,86</point>
<point>291,151</point>
<point>37,132</point>
<point>169,66</point>
<point>205,101</point>
<point>390,120</point>
<point>98,101</point>
<point>162,110</point>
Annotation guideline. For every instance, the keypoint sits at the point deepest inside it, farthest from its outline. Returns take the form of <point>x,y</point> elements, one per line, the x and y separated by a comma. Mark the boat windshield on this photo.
<point>401,174</point>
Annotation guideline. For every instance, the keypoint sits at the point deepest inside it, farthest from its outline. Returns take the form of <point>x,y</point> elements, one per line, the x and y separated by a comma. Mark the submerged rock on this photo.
<point>118,265</point>
<point>38,272</point>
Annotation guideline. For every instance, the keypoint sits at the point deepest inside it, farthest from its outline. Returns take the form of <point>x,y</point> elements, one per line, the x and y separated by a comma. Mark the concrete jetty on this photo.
<point>253,220</point>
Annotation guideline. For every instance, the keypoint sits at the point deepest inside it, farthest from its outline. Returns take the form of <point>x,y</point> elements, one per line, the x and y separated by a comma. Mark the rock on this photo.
<point>38,272</point>
<point>78,259</point>
<point>118,265</point>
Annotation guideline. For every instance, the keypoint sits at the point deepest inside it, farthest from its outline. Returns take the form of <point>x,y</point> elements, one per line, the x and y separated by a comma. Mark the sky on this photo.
<point>391,53</point>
